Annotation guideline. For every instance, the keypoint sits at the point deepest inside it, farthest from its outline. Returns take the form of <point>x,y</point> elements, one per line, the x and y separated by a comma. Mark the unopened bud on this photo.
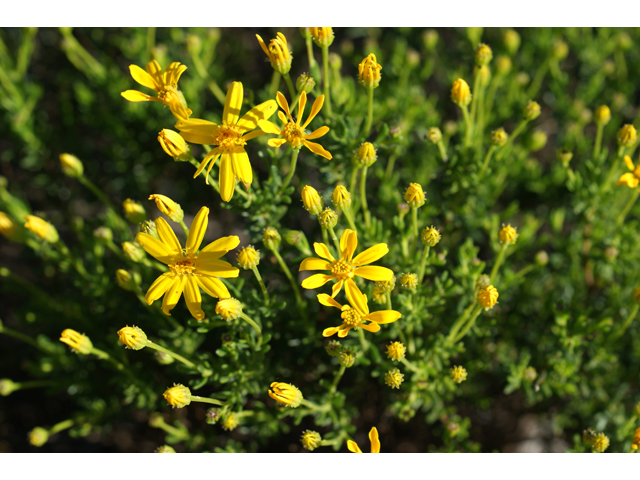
<point>305,83</point>
<point>71,165</point>
<point>271,238</point>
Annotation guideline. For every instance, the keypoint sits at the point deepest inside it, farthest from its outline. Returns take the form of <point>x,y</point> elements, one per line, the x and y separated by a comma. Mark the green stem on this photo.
<point>614,168</point>
<point>460,321</point>
<point>211,83</point>
<point>171,430</point>
<point>105,356</point>
<point>485,164</point>
<point>410,365</point>
<point>499,260</point>
<point>211,181</point>
<point>475,99</point>
<point>293,283</point>
<point>512,138</point>
<point>292,169</point>
<point>363,198</point>
<point>255,326</point>
<point>414,223</point>
<point>367,128</point>
<point>353,179</point>
<point>389,305</point>
<point>423,263</point>
<point>58,427</point>
<point>213,401</point>
<point>151,41</point>
<point>101,196</point>
<point>34,384</point>
<point>348,216</point>
<point>468,126</point>
<point>326,75</point>
<point>627,322</point>
<point>443,152</point>
<point>335,239</point>
<point>314,406</point>
<point>598,144</point>
<point>19,336</point>
<point>184,227</point>
<point>521,273</point>
<point>363,341</point>
<point>262,285</point>
<point>287,80</point>
<point>628,206</point>
<point>295,101</point>
<point>336,380</point>
<point>325,238</point>
<point>180,358</point>
<point>537,80</point>
<point>469,324</point>
<point>275,83</point>
<point>391,163</point>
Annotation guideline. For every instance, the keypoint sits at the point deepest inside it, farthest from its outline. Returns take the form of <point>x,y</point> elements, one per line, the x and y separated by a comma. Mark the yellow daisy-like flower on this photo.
<point>165,83</point>
<point>189,270</point>
<point>631,180</point>
<point>344,269</point>
<point>292,132</point>
<point>229,138</point>
<point>373,438</point>
<point>353,317</point>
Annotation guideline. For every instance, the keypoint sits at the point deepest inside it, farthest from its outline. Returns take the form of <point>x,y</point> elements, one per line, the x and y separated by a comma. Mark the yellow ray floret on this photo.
<point>229,138</point>
<point>293,133</point>
<point>344,269</point>
<point>373,438</point>
<point>355,316</point>
<point>189,270</point>
<point>631,180</point>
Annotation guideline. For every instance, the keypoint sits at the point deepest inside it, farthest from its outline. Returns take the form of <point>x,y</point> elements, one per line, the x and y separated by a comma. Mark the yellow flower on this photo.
<point>42,228</point>
<point>409,281</point>
<point>230,422</point>
<point>132,337</point>
<point>631,180</point>
<point>71,165</point>
<point>322,36</point>
<point>499,137</point>
<point>248,257</point>
<point>483,54</point>
<point>164,83</point>
<point>354,316</point>
<point>229,138</point>
<point>488,297</point>
<point>636,439</point>
<point>177,396</point>
<point>78,342</point>
<point>373,438</point>
<point>188,270</point>
<point>458,374</point>
<point>414,195</point>
<point>396,351</point>
<point>508,234</point>
<point>168,207</point>
<point>311,200</point>
<point>229,308</point>
<point>134,211</point>
<point>292,132</point>
<point>393,378</point>
<point>460,93</point>
<point>173,144</point>
<point>531,110</point>
<point>278,53</point>
<point>344,269</point>
<point>369,72</point>
<point>286,394</point>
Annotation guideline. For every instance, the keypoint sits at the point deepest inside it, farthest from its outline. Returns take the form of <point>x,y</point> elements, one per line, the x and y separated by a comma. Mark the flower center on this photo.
<point>351,317</point>
<point>168,95</point>
<point>342,269</point>
<point>227,137</point>
<point>293,133</point>
<point>186,266</point>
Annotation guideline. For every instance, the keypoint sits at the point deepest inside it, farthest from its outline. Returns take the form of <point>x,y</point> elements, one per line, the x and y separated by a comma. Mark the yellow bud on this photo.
<point>322,36</point>
<point>366,155</point>
<point>508,235</point>
<point>177,396</point>
<point>173,144</point>
<point>230,422</point>
<point>310,440</point>
<point>483,54</point>
<point>460,93</point>
<point>229,308</point>
<point>600,443</point>
<point>531,110</point>
<point>602,115</point>
<point>133,252</point>
<point>499,137</point>
<point>71,165</point>
<point>488,297</point>
<point>248,257</point>
<point>168,207</point>
<point>328,218</point>
<point>126,280</point>
<point>627,135</point>
<point>278,53</point>
<point>503,65</point>
<point>431,236</point>
<point>341,198</point>
<point>394,378</point>
<point>134,211</point>
<point>42,228</point>
<point>369,72</point>
<point>132,337</point>
<point>7,387</point>
<point>414,195</point>
<point>271,238</point>
<point>512,41</point>
<point>305,83</point>
<point>434,135</point>
<point>9,228</point>
<point>311,200</point>
<point>387,285</point>
<point>78,342</point>
<point>396,351</point>
<point>409,281</point>
<point>560,50</point>
<point>484,75</point>
<point>379,295</point>
<point>38,436</point>
<point>286,394</point>
<point>458,374</point>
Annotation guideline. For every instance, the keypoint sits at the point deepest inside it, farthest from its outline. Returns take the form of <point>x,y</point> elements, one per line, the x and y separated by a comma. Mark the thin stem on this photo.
<point>314,406</point>
<point>287,80</point>
<point>184,227</point>
<point>627,322</point>
<point>58,427</point>
<point>180,358</point>
<point>353,179</point>
<point>275,83</point>
<point>262,285</point>
<point>101,196</point>
<point>213,401</point>
<point>326,75</point>
<point>628,206</point>
<point>363,198</point>
<point>292,169</point>
<point>598,144</point>
<point>475,98</point>
<point>105,356</point>
<point>336,380</point>
<point>443,151</point>
<point>294,285</point>
<point>20,336</point>
<point>325,238</point>
<point>367,128</point>
<point>614,168</point>
<point>423,263</point>
<point>363,341</point>
<point>485,164</point>
<point>255,326</point>
<point>414,224</point>
<point>468,125</point>
<point>410,365</point>
<point>213,86</point>
<point>34,384</point>
<point>512,138</point>
<point>499,260</point>
<point>349,217</point>
<point>151,41</point>
<point>469,324</point>
<point>295,101</point>
<point>522,272</point>
<point>460,321</point>
<point>389,305</point>
<point>391,163</point>
<point>312,60</point>
<point>335,239</point>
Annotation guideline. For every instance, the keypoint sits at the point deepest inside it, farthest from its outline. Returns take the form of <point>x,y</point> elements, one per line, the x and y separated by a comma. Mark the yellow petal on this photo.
<point>252,135</point>
<point>343,331</point>
<point>242,166</point>
<point>207,265</point>
<point>250,120</point>
<point>173,294</point>
<point>283,118</point>
<point>268,127</point>
<point>197,125</point>
<point>193,298</point>
<point>301,104</point>
<point>173,72</point>
<point>213,287</point>
<point>316,281</point>
<point>226,177</point>
<point>313,263</point>
<point>322,131</point>
<point>155,248</point>
<point>348,244</point>
<point>315,109</point>
<point>377,274</point>
<point>276,142</point>
<point>317,149</point>
<point>197,230</point>
<point>232,105</point>
<point>383,316</point>
<point>221,246</point>
<point>335,290</point>
<point>262,44</point>
<point>356,298</point>
<point>370,327</point>
<point>154,69</point>
<point>370,255</point>
<point>159,287</point>
<point>327,332</point>
<point>213,156</point>
<point>328,301</point>
<point>143,78</point>
<point>323,251</point>
<point>135,96</point>
<point>284,105</point>
<point>353,446</point>
<point>375,442</point>
<point>628,179</point>
<point>628,162</point>
<point>168,236</point>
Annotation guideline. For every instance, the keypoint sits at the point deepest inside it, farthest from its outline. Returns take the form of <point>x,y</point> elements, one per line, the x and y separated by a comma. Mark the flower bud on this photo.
<point>483,281</point>
<point>165,449</point>
<point>430,236</point>
<point>311,200</point>
<point>305,83</point>
<point>133,337</point>
<point>133,252</point>
<point>409,281</point>
<point>394,378</point>
<point>134,211</point>
<point>347,357</point>
<point>458,374</point>
<point>379,295</point>
<point>542,258</point>
<point>530,374</point>
<point>297,239</point>
<point>163,358</point>
<point>366,155</point>
<point>322,36</point>
<point>174,145</point>
<point>414,195</point>
<point>335,61</point>
<point>213,415</point>
<point>396,351</point>
<point>460,93</point>
<point>286,394</point>
<point>512,41</point>
<point>531,110</point>
<point>560,50</point>
<point>483,54</point>
<point>38,436</point>
<point>305,32</point>
<point>369,72</point>
<point>177,396</point>
<point>537,140</point>
<point>600,443</point>
<point>168,207</point>
<point>588,436</point>
<point>627,135</point>
<point>149,227</point>
<point>499,137</point>
<point>508,235</point>
<point>341,198</point>
<point>333,348</point>
<point>484,75</point>
<point>7,387</point>
<point>430,39</point>
<point>387,285</point>
<point>403,209</point>
<point>230,422</point>
<point>10,229</point>
<point>78,342</point>
<point>126,280</point>
<point>42,229</point>
<point>248,257</point>
<point>488,297</point>
<point>413,58</point>
<point>71,165</point>
<point>229,308</point>
<point>602,116</point>
<point>564,155</point>
<point>503,65</point>
<point>310,440</point>
<point>278,53</point>
<point>328,218</point>
<point>271,238</point>
<point>434,135</point>
<point>103,234</point>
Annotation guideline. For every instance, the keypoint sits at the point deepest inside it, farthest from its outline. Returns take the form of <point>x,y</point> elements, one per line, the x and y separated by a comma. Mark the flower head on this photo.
<point>322,36</point>
<point>71,165</point>
<point>488,297</point>
<point>344,269</point>
<point>165,449</point>
<point>460,93</point>
<point>286,394</point>
<point>600,443</point>
<point>134,212</point>
<point>9,228</point>
<point>373,438</point>
<point>341,198</point>
<point>132,337</point>
<point>310,440</point>
<point>499,137</point>
<point>394,378</point>
<point>636,439</point>
<point>458,374</point>
<point>42,228</point>
<point>602,116</point>
<point>369,72</point>
<point>434,135</point>
<point>305,83</point>
<point>133,251</point>
<point>409,281</point>
<point>357,314</point>
<point>311,200</point>
<point>328,218</point>
<point>229,138</point>
<point>78,342</point>
<point>38,436</point>
<point>483,55</point>
<point>366,155</point>
<point>396,351</point>
<point>347,357</point>
<point>271,238</point>
<point>168,207</point>
<point>414,195</point>
<point>189,270</point>
<point>177,396</point>
<point>293,133</point>
<point>278,53</point>
<point>631,180</point>
<point>248,257</point>
<point>531,110</point>
<point>430,236</point>
<point>229,308</point>
<point>164,83</point>
<point>230,422</point>
<point>508,235</point>
<point>173,144</point>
